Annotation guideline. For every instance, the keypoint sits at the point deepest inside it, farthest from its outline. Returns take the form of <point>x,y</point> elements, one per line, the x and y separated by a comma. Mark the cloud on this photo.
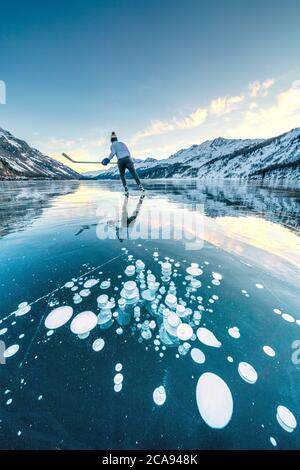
<point>258,88</point>
<point>158,127</point>
<point>253,105</point>
<point>226,104</point>
<point>282,115</point>
<point>218,106</point>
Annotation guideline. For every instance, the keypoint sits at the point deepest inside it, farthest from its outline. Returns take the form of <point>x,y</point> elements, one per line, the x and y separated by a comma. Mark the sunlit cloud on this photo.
<point>258,88</point>
<point>158,127</point>
<point>268,121</point>
<point>226,104</point>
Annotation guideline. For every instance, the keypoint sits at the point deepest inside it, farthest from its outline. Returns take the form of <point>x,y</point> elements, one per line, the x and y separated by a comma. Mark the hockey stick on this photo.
<point>80,161</point>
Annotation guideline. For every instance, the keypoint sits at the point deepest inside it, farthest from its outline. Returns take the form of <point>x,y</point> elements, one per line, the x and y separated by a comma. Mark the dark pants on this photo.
<point>127,163</point>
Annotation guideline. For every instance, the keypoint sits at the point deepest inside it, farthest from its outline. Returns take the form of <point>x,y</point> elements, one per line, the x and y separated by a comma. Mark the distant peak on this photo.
<point>219,141</point>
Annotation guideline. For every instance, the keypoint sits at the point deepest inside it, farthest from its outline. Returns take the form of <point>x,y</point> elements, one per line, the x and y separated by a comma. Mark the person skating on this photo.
<point>125,161</point>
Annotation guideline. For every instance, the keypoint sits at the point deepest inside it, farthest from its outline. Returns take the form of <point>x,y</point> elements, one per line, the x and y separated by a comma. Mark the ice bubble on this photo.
<point>146,334</point>
<point>194,270</point>
<point>50,332</point>
<point>9,401</point>
<point>277,311</point>
<point>215,297</point>
<point>298,322</point>
<point>229,359</point>
<point>184,331</point>
<point>208,338</point>
<point>102,300</point>
<point>58,317</point>
<point>247,372</point>
<point>90,283</point>
<point>69,285</point>
<point>23,310</point>
<point>197,355</point>
<point>234,332</point>
<point>118,387</point>
<point>118,379</point>
<point>84,292</point>
<point>23,305</point>
<point>130,287</point>
<point>273,441</point>
<point>83,322</point>
<point>40,397</point>
<point>130,270</point>
<point>77,299</point>
<point>3,331</point>
<point>217,276</point>
<point>286,419</point>
<point>259,286</point>
<point>180,310</point>
<point>269,351</point>
<point>119,331</point>
<point>214,400</point>
<point>171,301</point>
<point>11,350</point>
<point>84,335</point>
<point>166,267</point>
<point>171,322</point>
<point>215,282</point>
<point>122,303</point>
<point>195,284</point>
<point>159,395</point>
<point>140,265</point>
<point>21,335</point>
<point>98,344</point>
<point>118,367</point>
<point>287,317</point>
<point>105,285</point>
<point>130,292</point>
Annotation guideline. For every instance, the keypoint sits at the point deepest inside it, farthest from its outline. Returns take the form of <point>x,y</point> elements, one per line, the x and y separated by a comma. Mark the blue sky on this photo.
<point>163,73</point>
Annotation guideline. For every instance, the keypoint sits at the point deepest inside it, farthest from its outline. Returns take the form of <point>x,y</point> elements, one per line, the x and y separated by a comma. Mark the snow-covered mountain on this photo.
<point>275,158</point>
<point>18,161</point>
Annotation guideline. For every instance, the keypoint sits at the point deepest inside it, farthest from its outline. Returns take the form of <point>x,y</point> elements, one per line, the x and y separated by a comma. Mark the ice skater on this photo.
<point>125,162</point>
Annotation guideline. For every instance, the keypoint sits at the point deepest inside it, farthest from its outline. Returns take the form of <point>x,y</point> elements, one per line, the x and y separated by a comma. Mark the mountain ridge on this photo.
<point>20,161</point>
<point>276,157</point>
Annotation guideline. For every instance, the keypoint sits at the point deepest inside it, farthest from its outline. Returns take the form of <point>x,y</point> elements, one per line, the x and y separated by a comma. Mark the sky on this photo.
<point>163,74</point>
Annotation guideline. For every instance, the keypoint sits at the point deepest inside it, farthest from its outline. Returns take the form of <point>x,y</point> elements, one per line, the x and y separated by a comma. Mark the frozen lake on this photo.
<point>192,340</point>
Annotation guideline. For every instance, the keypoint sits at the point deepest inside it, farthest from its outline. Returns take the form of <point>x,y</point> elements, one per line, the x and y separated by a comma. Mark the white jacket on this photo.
<point>119,149</point>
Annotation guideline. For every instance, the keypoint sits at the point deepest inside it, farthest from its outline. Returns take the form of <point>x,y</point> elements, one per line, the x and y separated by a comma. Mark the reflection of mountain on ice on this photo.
<point>228,198</point>
<point>273,159</point>
<point>23,202</point>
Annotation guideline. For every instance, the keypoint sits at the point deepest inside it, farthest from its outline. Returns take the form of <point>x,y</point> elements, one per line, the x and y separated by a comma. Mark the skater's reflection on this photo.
<point>125,227</point>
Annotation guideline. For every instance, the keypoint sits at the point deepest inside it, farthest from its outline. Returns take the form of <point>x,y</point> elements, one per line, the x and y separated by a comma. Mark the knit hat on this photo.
<point>113,137</point>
